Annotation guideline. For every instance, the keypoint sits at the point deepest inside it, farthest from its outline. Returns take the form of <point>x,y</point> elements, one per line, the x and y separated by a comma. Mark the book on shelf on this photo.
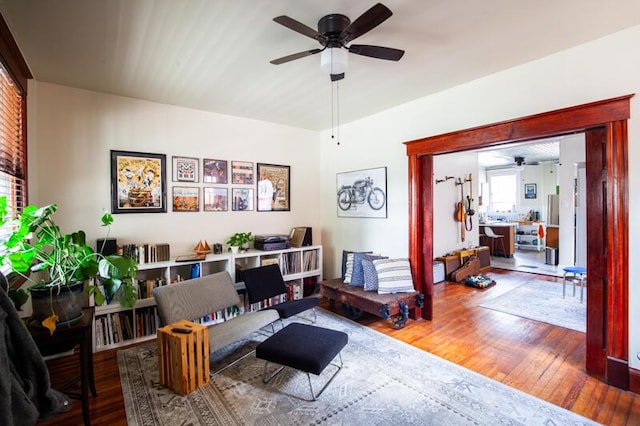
<point>269,261</point>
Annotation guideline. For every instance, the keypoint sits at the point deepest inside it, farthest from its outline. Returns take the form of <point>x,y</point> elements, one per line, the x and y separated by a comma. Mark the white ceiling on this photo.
<point>214,54</point>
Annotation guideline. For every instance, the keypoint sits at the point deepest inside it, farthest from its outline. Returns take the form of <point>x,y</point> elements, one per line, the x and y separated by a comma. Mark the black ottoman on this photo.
<point>304,347</point>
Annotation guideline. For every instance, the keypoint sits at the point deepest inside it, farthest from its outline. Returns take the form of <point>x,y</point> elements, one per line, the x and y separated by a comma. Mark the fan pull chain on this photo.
<point>335,115</point>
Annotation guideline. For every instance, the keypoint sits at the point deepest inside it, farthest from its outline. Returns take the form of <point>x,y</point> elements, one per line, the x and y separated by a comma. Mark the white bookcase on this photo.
<point>527,235</point>
<point>116,326</point>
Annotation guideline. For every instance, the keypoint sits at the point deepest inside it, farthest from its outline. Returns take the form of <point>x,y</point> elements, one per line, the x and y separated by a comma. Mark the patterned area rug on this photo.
<point>383,382</point>
<point>542,301</point>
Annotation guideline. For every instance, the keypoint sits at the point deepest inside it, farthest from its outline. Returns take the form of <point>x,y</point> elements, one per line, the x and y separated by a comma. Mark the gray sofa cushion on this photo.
<point>227,332</point>
<point>195,298</point>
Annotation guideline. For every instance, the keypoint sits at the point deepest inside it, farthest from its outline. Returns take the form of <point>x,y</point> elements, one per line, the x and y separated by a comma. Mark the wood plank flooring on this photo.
<point>540,359</point>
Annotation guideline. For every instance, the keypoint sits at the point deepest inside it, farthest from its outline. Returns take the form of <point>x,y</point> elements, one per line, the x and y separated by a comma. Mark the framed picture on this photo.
<point>185,169</point>
<point>138,182</point>
<point>186,199</point>
<point>530,191</point>
<point>242,172</point>
<point>214,171</point>
<point>215,199</point>
<point>274,193</point>
<point>242,199</point>
<point>362,193</point>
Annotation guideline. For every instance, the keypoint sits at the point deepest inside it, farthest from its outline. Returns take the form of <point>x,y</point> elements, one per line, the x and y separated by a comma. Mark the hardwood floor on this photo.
<point>540,359</point>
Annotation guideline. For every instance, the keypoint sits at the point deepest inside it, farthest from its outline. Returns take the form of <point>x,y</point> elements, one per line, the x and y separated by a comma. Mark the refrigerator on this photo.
<point>553,209</point>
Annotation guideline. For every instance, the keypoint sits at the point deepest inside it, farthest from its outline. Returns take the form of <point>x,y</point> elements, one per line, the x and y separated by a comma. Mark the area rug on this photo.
<point>383,382</point>
<point>542,301</point>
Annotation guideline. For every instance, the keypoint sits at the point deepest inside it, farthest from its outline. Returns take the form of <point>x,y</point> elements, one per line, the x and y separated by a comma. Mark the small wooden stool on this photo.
<point>183,358</point>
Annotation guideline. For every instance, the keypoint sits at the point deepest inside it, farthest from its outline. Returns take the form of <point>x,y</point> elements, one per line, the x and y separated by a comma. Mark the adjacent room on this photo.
<point>319,212</point>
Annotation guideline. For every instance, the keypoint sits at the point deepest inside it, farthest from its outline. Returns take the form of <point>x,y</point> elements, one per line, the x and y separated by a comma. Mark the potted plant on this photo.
<point>238,240</point>
<point>65,263</point>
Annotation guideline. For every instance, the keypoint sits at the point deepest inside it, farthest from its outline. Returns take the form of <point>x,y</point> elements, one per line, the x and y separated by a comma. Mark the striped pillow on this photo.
<point>394,276</point>
<point>347,257</point>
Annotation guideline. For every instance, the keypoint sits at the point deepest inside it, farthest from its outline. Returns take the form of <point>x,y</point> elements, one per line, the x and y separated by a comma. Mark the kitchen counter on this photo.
<point>507,230</point>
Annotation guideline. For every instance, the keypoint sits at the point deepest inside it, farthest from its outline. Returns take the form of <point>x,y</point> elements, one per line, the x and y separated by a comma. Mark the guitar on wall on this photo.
<point>470,210</point>
<point>461,213</point>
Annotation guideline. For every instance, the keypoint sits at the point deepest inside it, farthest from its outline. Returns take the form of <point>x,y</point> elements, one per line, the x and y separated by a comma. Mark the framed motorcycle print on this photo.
<point>362,193</point>
<point>274,193</point>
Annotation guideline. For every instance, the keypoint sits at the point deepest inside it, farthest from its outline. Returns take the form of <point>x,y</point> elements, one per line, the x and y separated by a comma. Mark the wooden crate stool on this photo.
<point>183,359</point>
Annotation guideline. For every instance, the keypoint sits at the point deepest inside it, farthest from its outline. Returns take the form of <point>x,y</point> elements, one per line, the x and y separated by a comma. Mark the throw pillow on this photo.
<point>349,268</point>
<point>345,253</point>
<point>370,280</point>
<point>357,275</point>
<point>347,257</point>
<point>394,276</point>
<point>370,275</point>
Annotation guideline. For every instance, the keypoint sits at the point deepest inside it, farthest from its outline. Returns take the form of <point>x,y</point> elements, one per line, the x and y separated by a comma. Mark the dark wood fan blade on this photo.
<point>379,52</point>
<point>295,56</point>
<point>366,22</point>
<point>336,77</point>
<point>299,27</point>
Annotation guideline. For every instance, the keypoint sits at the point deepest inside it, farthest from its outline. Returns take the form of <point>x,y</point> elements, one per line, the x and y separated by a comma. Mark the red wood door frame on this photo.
<point>605,125</point>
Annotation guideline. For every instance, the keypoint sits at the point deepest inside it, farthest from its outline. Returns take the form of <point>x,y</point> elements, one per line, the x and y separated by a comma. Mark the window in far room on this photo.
<point>503,190</point>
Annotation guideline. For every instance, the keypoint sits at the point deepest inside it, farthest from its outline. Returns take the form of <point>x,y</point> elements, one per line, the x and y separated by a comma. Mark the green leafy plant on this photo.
<point>36,244</point>
<point>240,238</point>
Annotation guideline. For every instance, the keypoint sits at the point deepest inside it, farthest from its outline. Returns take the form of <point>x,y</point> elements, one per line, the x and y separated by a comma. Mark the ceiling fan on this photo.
<point>334,34</point>
<point>519,162</point>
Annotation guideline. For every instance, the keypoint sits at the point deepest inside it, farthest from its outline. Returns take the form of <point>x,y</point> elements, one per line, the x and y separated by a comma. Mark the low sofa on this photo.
<point>195,298</point>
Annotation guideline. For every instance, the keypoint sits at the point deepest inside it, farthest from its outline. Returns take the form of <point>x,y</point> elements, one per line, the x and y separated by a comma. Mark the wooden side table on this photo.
<point>67,337</point>
<point>183,359</point>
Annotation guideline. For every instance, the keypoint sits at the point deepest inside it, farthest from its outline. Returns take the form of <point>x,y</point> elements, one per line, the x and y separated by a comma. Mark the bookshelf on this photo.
<point>115,326</point>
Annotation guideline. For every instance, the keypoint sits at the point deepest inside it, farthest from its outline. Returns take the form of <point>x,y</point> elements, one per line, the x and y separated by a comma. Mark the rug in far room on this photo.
<point>542,301</point>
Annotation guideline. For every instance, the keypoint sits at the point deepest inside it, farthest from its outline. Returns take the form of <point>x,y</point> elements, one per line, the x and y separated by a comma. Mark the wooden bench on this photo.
<point>355,300</point>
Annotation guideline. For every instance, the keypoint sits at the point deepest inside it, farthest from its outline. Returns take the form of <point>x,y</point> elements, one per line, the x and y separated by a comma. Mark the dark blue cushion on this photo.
<point>294,307</point>
<point>304,347</point>
<point>357,276</point>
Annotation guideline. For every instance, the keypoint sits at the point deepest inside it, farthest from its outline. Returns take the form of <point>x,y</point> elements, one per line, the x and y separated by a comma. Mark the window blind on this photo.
<point>12,141</point>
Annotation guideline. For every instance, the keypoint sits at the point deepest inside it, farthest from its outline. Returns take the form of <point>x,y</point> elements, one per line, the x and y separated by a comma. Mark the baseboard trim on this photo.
<point>618,373</point>
<point>634,380</point>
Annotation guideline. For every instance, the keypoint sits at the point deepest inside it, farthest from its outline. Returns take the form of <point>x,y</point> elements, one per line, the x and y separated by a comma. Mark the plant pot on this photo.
<point>66,302</point>
<point>234,249</point>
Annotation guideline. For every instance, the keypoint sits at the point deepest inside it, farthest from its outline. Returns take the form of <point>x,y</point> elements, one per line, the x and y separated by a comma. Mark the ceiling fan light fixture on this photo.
<point>334,60</point>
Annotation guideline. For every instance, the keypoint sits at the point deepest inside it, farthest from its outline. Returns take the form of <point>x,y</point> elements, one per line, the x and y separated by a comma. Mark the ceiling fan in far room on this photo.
<point>335,33</point>
<point>519,162</point>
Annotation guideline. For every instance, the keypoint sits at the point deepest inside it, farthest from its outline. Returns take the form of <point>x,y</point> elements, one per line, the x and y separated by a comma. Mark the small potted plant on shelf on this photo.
<point>61,265</point>
<point>239,240</point>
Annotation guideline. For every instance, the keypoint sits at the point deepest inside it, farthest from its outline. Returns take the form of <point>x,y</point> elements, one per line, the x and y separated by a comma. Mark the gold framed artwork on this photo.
<point>138,182</point>
<point>274,192</point>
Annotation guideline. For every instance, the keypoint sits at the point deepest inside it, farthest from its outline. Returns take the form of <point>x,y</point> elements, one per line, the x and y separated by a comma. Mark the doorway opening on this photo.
<point>605,126</point>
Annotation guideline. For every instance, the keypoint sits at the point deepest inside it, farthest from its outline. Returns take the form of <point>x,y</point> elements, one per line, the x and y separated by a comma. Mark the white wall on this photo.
<point>572,152</point>
<point>602,69</point>
<point>446,195</point>
<point>71,132</point>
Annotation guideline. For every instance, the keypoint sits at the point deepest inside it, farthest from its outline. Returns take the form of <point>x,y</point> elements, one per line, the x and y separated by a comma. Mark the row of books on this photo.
<point>222,315</point>
<point>146,253</point>
<point>118,327</point>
